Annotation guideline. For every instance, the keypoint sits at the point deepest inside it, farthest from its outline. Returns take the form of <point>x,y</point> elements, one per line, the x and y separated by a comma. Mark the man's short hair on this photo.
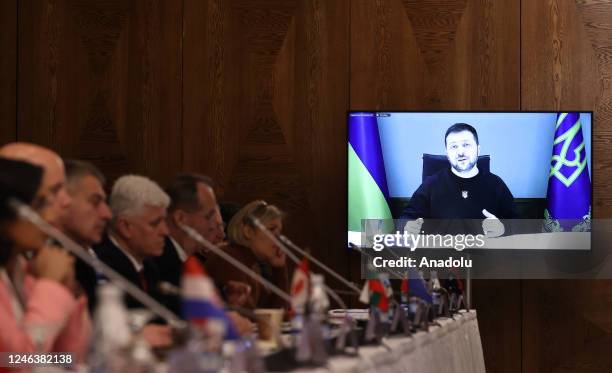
<point>460,127</point>
<point>77,169</point>
<point>131,193</point>
<point>183,191</point>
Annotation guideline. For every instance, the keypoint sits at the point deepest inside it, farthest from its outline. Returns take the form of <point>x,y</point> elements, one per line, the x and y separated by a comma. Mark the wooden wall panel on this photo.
<point>434,54</point>
<point>8,70</point>
<point>265,92</point>
<point>566,65</point>
<point>102,81</point>
<point>498,303</point>
<point>421,55</point>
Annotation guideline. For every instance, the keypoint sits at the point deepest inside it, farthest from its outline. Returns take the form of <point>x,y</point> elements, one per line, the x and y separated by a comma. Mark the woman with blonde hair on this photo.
<point>252,247</point>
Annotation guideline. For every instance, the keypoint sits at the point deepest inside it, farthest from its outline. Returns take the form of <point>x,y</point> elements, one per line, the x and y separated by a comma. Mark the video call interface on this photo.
<point>531,168</point>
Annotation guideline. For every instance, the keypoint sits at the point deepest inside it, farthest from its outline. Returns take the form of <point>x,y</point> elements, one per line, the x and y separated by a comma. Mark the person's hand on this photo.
<point>243,325</point>
<point>54,264</point>
<point>491,225</point>
<point>237,293</point>
<point>414,226</point>
<point>157,336</point>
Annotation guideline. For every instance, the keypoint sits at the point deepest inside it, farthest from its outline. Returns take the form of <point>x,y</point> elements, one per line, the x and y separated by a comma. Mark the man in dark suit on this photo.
<point>136,234</point>
<point>86,219</point>
<point>193,203</point>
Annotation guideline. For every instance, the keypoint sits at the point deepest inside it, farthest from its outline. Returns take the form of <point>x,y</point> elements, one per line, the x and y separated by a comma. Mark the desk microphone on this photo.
<point>310,257</point>
<point>294,258</point>
<point>25,212</point>
<point>347,328</point>
<point>193,234</point>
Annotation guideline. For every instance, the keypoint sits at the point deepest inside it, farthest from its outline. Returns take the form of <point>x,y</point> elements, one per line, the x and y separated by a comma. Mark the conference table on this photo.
<point>452,346</point>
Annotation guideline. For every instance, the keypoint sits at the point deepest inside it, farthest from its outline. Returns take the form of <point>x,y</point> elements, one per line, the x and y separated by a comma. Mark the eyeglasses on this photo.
<point>257,211</point>
<point>261,207</point>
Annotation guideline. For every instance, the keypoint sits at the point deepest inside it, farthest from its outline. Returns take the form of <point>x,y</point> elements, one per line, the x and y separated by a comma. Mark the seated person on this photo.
<point>193,203</point>
<point>136,234</point>
<point>53,184</point>
<point>40,308</point>
<point>460,191</point>
<point>257,251</point>
<point>87,218</point>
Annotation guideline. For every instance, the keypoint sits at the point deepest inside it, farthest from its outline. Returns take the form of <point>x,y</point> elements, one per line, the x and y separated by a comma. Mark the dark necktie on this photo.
<point>143,281</point>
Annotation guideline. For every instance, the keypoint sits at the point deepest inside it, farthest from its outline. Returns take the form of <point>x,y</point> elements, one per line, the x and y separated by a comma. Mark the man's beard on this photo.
<point>468,167</point>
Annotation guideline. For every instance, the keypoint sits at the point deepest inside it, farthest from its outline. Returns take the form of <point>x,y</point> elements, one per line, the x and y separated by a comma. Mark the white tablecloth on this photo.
<point>452,347</point>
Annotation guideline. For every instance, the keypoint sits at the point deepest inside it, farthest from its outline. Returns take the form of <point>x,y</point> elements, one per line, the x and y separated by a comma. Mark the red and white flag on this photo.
<point>300,287</point>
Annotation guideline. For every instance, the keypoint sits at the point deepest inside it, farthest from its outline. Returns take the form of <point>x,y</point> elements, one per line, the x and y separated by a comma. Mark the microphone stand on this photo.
<point>293,257</point>
<point>25,212</point>
<point>348,326</point>
<point>310,257</point>
<point>236,263</point>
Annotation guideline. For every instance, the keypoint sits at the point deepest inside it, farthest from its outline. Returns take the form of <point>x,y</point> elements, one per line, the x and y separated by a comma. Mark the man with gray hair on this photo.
<point>136,234</point>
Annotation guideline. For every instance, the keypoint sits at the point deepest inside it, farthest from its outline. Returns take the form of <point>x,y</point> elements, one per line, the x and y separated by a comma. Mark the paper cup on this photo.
<point>269,324</point>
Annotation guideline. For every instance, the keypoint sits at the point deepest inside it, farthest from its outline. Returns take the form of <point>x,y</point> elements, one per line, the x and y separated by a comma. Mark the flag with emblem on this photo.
<point>569,185</point>
<point>374,293</point>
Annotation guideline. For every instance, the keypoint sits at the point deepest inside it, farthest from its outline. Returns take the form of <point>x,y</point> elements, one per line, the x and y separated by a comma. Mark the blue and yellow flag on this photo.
<point>569,185</point>
<point>367,184</point>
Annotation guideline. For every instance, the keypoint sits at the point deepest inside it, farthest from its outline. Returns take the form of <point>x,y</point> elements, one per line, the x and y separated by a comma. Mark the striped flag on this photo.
<point>569,184</point>
<point>368,191</point>
<point>300,287</point>
<point>417,287</point>
<point>202,306</point>
<point>376,294</point>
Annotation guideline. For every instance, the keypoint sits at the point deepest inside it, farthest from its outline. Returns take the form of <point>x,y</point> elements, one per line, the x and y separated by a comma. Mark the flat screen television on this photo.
<point>543,158</point>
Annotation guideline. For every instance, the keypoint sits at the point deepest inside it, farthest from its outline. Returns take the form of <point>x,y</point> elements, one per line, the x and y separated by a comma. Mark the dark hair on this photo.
<point>77,169</point>
<point>183,191</point>
<point>20,180</point>
<point>460,127</point>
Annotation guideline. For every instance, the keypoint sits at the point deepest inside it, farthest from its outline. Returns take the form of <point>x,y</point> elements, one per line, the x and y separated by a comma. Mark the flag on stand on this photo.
<point>417,286</point>
<point>405,289</point>
<point>367,185</point>
<point>569,185</point>
<point>202,306</point>
<point>375,295</point>
<point>300,286</point>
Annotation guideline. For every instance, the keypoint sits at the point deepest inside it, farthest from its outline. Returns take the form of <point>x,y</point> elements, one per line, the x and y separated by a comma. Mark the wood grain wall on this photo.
<point>254,93</point>
<point>566,59</point>
<point>8,70</point>
<point>101,80</point>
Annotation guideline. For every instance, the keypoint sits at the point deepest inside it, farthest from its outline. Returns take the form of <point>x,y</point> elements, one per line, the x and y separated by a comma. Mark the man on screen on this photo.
<point>461,191</point>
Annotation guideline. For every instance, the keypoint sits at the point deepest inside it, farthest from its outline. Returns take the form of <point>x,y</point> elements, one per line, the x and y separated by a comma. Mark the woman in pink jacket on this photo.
<point>40,309</point>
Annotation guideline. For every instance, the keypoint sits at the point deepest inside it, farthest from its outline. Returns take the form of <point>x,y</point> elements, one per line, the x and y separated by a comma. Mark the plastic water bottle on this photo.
<point>318,298</point>
<point>112,336</point>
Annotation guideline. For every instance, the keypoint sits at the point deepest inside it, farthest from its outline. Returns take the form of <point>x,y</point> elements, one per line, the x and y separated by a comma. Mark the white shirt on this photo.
<point>466,175</point>
<point>137,265</point>
<point>179,249</point>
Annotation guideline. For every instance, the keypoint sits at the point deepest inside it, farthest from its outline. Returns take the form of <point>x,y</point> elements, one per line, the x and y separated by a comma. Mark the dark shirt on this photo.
<point>170,267</point>
<point>446,196</point>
